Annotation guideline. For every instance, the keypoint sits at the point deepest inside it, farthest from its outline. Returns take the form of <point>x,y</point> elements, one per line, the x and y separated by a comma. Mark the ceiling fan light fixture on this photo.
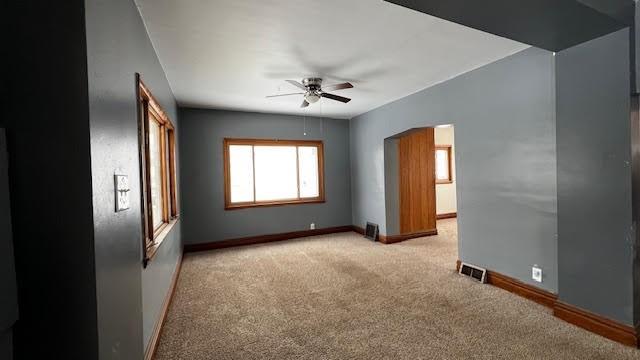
<point>313,91</point>
<point>312,97</point>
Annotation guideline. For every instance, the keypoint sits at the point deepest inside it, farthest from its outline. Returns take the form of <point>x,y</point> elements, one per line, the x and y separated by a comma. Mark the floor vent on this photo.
<point>371,232</point>
<point>474,272</point>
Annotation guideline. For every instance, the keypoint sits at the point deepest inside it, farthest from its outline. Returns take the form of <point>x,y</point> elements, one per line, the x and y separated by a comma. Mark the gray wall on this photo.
<point>8,290</point>
<point>504,116</point>
<point>204,216</point>
<point>635,206</point>
<point>391,186</point>
<point>52,221</point>
<point>129,297</point>
<point>596,239</point>
<point>6,344</point>
<point>635,51</point>
<point>621,10</point>
<point>156,279</point>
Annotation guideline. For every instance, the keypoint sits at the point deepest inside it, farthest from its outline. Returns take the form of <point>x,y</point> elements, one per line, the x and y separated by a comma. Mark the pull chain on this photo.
<point>321,120</point>
<point>304,122</point>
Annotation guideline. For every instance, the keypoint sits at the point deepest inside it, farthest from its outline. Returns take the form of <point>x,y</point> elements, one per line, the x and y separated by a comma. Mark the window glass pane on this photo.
<point>442,164</point>
<point>308,162</point>
<point>241,172</point>
<point>173,201</point>
<point>276,175</point>
<point>155,173</point>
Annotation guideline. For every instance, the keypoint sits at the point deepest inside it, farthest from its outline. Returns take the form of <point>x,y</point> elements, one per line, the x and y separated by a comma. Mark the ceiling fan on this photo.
<point>313,91</point>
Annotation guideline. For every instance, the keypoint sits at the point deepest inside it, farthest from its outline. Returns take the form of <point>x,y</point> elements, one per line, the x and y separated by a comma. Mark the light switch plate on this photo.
<point>536,273</point>
<point>121,183</point>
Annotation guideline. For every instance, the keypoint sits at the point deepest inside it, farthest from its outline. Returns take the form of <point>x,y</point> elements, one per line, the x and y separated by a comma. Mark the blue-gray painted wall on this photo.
<point>621,10</point>
<point>635,53</point>
<point>156,280</point>
<point>392,186</point>
<point>54,253</point>
<point>596,238</point>
<point>504,118</point>
<point>129,297</point>
<point>563,203</point>
<point>202,187</point>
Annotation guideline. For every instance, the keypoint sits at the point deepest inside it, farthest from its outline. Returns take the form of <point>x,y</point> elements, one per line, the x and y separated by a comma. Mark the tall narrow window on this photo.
<point>155,173</point>
<point>272,172</point>
<point>158,179</point>
<point>173,182</point>
<point>443,164</point>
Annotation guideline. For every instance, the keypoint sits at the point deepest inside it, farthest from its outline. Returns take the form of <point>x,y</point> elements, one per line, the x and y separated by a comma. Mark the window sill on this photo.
<point>272,203</point>
<point>153,249</point>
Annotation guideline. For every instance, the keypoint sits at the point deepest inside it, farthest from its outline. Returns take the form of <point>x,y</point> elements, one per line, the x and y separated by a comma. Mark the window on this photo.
<point>443,164</point>
<point>272,172</point>
<point>158,175</point>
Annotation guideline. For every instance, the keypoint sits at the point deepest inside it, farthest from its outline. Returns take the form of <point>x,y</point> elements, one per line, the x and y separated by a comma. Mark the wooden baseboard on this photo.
<point>252,240</point>
<point>446,216</point>
<point>357,229</point>
<point>157,329</point>
<point>517,287</point>
<point>392,239</point>
<point>600,325</point>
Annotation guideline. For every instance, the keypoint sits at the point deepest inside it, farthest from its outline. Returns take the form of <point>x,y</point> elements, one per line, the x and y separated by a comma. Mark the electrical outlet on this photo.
<point>536,273</point>
<point>312,226</point>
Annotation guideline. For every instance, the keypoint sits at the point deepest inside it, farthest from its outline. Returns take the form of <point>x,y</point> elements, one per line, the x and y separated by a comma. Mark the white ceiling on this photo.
<point>231,54</point>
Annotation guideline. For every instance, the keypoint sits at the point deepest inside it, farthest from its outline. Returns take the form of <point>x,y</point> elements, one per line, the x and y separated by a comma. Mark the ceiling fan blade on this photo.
<point>304,104</point>
<point>296,84</point>
<point>272,96</point>
<point>338,86</point>
<point>335,97</point>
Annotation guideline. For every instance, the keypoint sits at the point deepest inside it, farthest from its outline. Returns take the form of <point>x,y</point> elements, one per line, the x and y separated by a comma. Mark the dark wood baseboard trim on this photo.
<point>392,239</point>
<point>517,287</point>
<point>152,346</point>
<point>446,216</point>
<point>357,229</point>
<point>600,325</point>
<point>252,240</point>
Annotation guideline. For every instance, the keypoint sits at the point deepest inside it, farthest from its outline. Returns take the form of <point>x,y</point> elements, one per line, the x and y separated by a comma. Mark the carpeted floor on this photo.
<point>343,297</point>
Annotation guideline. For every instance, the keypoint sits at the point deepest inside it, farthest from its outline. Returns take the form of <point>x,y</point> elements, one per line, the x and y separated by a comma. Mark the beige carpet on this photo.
<point>343,297</point>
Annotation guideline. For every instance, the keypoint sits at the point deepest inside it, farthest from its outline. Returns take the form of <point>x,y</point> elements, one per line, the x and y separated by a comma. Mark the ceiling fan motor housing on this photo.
<point>313,91</point>
<point>312,84</point>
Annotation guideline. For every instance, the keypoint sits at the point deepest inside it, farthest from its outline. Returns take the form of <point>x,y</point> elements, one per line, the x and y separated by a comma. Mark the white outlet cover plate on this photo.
<point>536,274</point>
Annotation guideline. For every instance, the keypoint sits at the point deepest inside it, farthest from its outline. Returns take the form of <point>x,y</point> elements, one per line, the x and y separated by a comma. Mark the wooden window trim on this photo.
<point>228,205</point>
<point>448,149</point>
<point>149,109</point>
<point>173,182</point>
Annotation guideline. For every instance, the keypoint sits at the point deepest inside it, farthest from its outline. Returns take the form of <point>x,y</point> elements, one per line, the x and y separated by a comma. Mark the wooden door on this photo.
<point>416,155</point>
